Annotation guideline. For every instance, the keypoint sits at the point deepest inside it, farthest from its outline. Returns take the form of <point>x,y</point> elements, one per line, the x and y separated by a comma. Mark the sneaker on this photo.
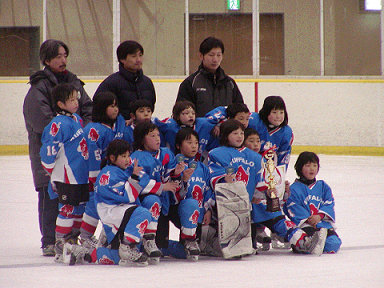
<point>263,239</point>
<point>279,243</point>
<point>49,250</point>
<point>150,248</point>
<point>131,256</point>
<point>192,250</point>
<point>315,244</point>
<point>75,254</point>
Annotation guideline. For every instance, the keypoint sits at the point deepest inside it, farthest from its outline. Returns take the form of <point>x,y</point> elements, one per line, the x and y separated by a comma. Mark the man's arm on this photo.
<point>186,92</point>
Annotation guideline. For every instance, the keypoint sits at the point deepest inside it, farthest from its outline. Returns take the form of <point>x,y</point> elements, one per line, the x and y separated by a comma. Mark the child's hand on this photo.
<point>128,122</point>
<point>216,130</point>
<point>136,168</point>
<point>179,168</point>
<point>229,178</point>
<point>171,186</point>
<point>256,200</point>
<point>287,189</point>
<point>187,174</point>
<point>313,220</point>
<point>207,217</point>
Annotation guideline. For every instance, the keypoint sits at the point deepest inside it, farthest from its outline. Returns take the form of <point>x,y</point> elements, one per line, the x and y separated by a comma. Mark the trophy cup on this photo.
<point>273,204</point>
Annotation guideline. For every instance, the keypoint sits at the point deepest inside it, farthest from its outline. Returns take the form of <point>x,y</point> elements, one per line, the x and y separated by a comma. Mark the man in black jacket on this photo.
<point>129,83</point>
<point>38,112</point>
<point>209,87</point>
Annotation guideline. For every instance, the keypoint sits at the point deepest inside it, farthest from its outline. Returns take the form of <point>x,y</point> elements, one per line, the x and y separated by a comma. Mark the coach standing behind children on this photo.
<point>129,83</point>
<point>38,112</point>
<point>209,87</point>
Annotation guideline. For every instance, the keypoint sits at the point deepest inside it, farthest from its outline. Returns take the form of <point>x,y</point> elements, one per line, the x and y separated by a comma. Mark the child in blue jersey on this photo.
<point>107,124</point>
<point>192,207</point>
<point>271,123</point>
<point>247,165</point>
<point>140,110</point>
<point>311,205</point>
<point>184,115</point>
<point>161,171</point>
<point>64,155</point>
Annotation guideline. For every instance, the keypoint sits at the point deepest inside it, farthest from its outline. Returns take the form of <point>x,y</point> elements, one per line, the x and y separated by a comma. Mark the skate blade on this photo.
<point>193,258</point>
<point>128,263</point>
<point>153,260</point>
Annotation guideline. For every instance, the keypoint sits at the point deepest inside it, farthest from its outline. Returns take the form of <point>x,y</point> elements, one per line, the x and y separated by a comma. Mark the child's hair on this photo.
<point>304,158</point>
<point>128,47</point>
<point>101,101</point>
<point>61,92</point>
<point>184,134</point>
<point>116,147</point>
<point>227,128</point>
<point>140,103</point>
<point>209,43</point>
<point>273,102</point>
<point>235,108</point>
<point>249,132</point>
<point>179,107</point>
<point>139,133</point>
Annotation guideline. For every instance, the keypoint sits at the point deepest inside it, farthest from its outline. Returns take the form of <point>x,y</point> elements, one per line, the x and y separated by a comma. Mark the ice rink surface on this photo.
<point>358,187</point>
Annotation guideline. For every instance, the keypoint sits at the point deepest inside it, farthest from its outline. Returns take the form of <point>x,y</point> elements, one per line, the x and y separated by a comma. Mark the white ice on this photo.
<point>358,187</point>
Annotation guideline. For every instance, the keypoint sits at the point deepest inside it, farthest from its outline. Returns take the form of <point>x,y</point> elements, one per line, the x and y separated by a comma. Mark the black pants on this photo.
<point>48,210</point>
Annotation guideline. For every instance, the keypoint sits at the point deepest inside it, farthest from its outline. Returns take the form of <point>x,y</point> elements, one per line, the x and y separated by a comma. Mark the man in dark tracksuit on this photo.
<point>38,112</point>
<point>209,87</point>
<point>129,83</point>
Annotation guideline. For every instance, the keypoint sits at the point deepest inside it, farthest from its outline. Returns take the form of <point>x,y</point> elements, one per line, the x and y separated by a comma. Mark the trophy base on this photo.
<point>273,204</point>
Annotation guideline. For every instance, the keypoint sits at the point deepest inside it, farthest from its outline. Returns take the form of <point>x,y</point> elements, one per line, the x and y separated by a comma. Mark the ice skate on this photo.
<point>192,250</point>
<point>314,244</point>
<point>279,243</point>
<point>131,256</point>
<point>150,248</point>
<point>75,254</point>
<point>59,247</point>
<point>89,244</point>
<point>263,239</point>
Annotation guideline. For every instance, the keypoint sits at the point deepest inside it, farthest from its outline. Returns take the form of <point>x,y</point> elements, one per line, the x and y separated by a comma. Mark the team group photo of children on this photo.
<point>113,179</point>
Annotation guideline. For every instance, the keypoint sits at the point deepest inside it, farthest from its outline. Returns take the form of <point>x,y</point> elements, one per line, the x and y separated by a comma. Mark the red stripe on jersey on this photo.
<point>165,160</point>
<point>49,170</point>
<point>155,188</point>
<point>66,179</point>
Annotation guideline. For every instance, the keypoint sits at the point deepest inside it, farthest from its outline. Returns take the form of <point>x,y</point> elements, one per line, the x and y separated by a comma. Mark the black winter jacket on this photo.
<point>128,87</point>
<point>38,112</point>
<point>208,91</point>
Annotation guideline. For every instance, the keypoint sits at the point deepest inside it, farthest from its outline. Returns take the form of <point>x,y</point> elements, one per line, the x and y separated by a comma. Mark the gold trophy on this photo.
<point>273,204</point>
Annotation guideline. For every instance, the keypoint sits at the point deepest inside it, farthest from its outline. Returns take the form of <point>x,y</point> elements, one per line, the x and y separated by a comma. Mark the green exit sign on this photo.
<point>233,4</point>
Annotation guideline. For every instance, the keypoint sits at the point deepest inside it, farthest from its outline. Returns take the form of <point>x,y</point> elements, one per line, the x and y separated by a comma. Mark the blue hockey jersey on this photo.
<point>280,138</point>
<point>98,137</point>
<point>246,163</point>
<point>64,152</point>
<point>203,126</point>
<point>198,188</point>
<point>157,170</point>
<point>305,201</point>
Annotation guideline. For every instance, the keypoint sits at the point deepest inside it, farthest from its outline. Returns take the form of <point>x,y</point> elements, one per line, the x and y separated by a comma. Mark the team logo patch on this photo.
<point>104,179</point>
<point>194,217</point>
<point>83,148</point>
<point>93,135</point>
<point>55,127</point>
<point>155,210</point>
<point>66,210</point>
<point>197,194</point>
<point>289,224</point>
<point>242,175</point>
<point>142,227</point>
